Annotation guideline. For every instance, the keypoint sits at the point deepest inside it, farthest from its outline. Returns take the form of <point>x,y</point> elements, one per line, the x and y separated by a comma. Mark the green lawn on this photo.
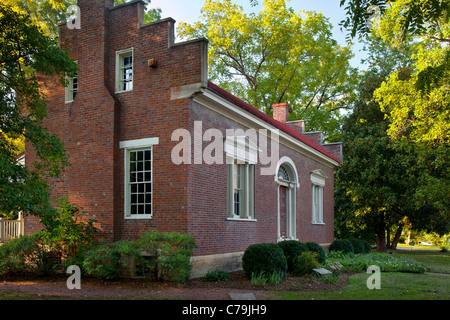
<point>394,285</point>
<point>435,260</point>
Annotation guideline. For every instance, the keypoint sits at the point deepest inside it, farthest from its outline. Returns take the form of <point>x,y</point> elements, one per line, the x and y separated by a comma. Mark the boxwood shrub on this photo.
<point>291,250</point>
<point>360,246</point>
<point>343,245</point>
<point>315,247</point>
<point>267,258</point>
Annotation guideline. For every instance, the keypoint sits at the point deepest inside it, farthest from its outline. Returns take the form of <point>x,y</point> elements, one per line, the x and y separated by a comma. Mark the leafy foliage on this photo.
<point>292,249</point>
<point>342,245</point>
<point>26,51</point>
<point>315,247</point>
<point>28,253</point>
<point>102,261</point>
<point>164,256</point>
<point>305,263</point>
<point>67,229</point>
<point>416,17</point>
<point>173,251</point>
<point>387,262</point>
<point>278,56</point>
<point>216,276</point>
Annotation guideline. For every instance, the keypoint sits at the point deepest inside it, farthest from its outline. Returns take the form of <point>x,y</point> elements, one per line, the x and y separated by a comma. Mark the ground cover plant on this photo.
<point>386,262</point>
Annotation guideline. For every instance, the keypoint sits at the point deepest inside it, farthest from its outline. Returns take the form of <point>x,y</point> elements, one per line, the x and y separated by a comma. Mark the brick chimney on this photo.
<point>281,112</point>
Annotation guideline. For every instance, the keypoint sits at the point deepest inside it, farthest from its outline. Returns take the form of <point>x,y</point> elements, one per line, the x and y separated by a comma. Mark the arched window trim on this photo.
<point>292,185</point>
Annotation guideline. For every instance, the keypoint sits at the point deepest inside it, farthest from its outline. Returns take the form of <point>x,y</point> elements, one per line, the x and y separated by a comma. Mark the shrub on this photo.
<point>305,263</point>
<point>341,245</point>
<point>216,276</point>
<point>172,252</point>
<point>28,253</point>
<point>68,229</point>
<point>291,250</point>
<point>358,245</point>
<point>315,247</point>
<point>264,258</point>
<point>102,261</point>
<point>367,247</point>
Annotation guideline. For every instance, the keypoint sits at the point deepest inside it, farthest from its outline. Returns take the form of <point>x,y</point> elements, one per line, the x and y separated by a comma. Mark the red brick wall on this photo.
<point>207,199</point>
<point>98,119</point>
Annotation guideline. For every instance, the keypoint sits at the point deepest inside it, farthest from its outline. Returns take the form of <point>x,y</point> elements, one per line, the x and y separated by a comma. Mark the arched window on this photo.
<point>283,174</point>
<point>287,180</point>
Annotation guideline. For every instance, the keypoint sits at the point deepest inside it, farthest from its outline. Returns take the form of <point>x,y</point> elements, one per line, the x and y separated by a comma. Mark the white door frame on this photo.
<point>291,199</point>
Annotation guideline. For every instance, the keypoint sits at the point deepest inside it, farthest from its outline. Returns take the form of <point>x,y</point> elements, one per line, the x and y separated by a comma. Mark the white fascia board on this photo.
<point>139,143</point>
<point>219,104</point>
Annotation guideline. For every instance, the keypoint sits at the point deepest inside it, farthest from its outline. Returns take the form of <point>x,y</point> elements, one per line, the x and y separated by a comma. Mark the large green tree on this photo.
<point>417,106</point>
<point>278,55</point>
<point>25,51</point>
<point>378,186</point>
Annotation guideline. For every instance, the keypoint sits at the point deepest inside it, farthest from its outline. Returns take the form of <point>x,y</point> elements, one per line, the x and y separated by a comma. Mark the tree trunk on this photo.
<point>381,241</point>
<point>388,236</point>
<point>396,239</point>
<point>380,230</point>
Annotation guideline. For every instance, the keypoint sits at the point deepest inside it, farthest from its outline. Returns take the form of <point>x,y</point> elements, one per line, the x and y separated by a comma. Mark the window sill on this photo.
<point>318,223</point>
<point>67,102</point>
<point>287,239</point>
<point>122,91</point>
<point>140,217</point>
<point>240,219</point>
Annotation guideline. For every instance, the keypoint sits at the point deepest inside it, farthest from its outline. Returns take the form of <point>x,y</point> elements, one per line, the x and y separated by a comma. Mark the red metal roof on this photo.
<point>277,124</point>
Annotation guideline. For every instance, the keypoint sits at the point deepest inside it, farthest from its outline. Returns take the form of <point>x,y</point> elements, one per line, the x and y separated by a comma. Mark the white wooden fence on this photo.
<point>10,229</point>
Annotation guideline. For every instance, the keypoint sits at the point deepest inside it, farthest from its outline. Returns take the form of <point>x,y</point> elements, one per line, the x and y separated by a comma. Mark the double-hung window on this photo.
<point>124,70</point>
<point>139,177</point>
<point>72,88</point>
<point>241,156</point>
<point>318,178</point>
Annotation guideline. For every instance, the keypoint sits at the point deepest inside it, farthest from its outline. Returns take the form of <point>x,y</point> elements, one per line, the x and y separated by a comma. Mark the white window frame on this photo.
<point>135,146</point>
<point>120,56</point>
<point>318,178</point>
<point>241,154</point>
<point>69,90</point>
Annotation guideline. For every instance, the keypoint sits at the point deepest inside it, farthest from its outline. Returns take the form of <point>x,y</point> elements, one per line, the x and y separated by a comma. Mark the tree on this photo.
<point>378,189</point>
<point>418,105</point>
<point>25,51</point>
<point>278,56</point>
<point>414,17</point>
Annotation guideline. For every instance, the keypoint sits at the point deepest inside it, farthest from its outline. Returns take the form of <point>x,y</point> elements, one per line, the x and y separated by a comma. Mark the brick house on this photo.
<point>154,145</point>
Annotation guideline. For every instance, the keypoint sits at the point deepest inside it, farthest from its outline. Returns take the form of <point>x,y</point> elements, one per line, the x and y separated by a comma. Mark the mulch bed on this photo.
<point>194,289</point>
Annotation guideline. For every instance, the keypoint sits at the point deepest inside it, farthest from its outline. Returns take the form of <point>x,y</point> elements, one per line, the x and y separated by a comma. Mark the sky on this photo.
<point>189,11</point>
